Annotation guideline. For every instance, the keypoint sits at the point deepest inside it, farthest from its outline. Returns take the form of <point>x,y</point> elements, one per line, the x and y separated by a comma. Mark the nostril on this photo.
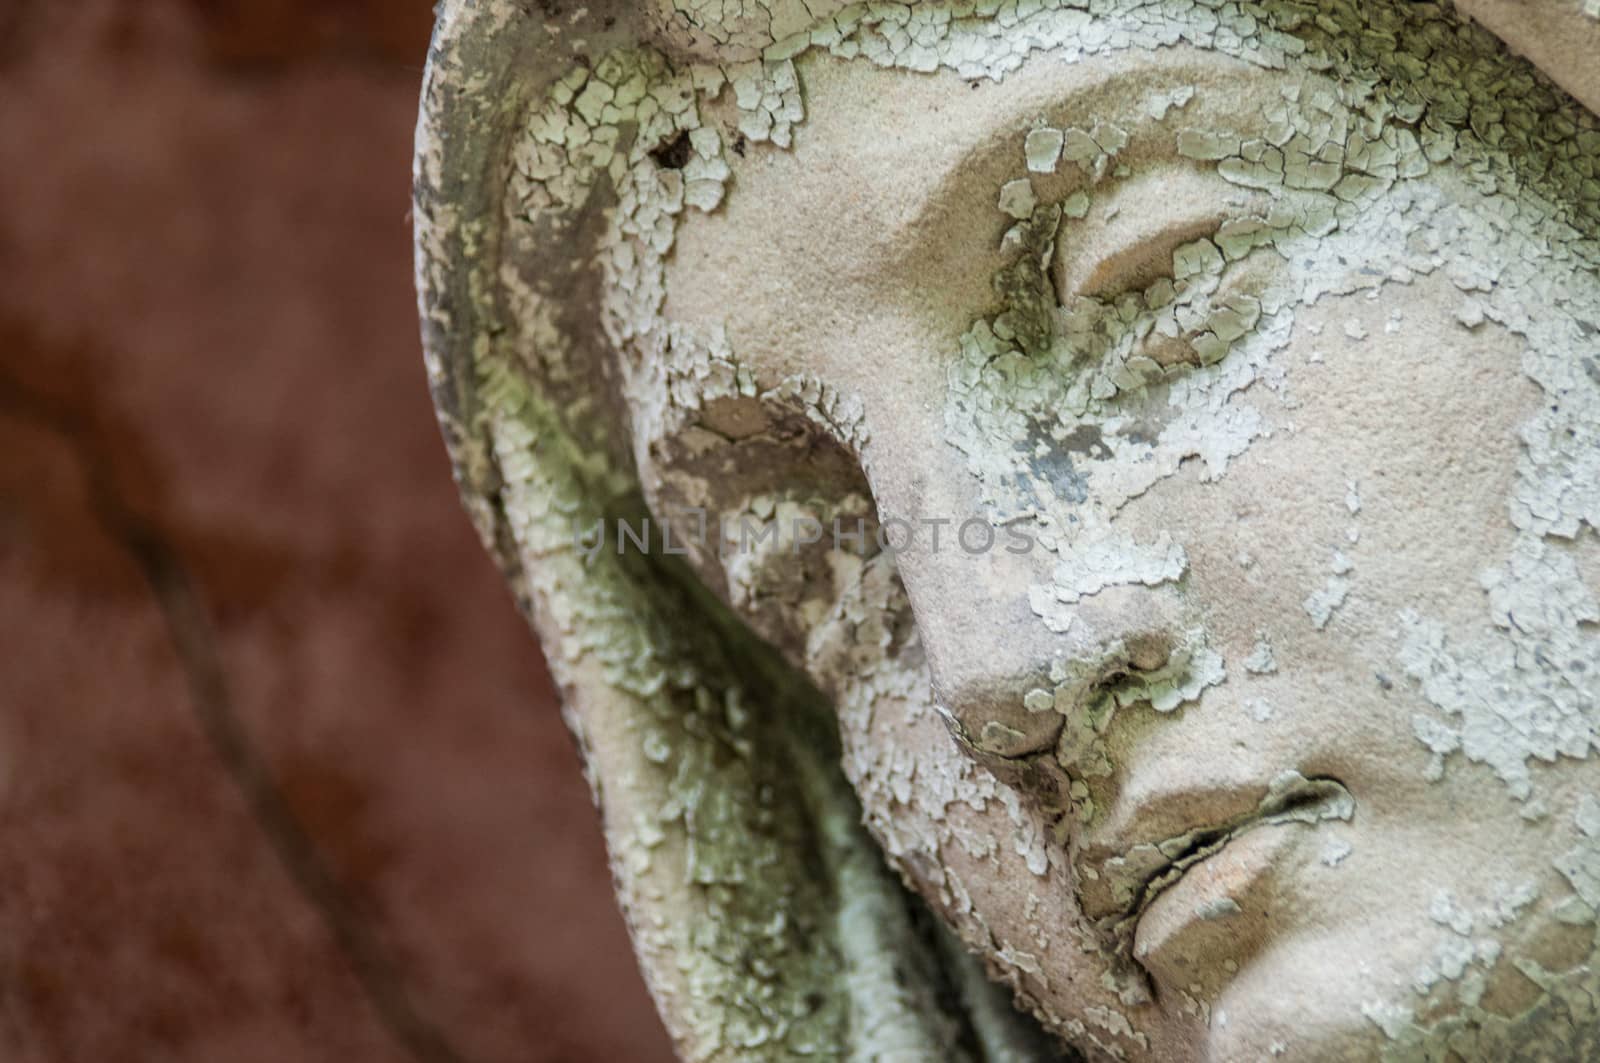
<point>1149,651</point>
<point>1119,663</point>
<point>991,719</point>
<point>1152,668</point>
<point>1165,681</point>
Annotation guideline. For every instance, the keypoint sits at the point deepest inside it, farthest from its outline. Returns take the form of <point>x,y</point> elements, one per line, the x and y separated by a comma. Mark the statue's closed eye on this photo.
<point>1133,264</point>
<point>1127,242</point>
<point>1144,255</point>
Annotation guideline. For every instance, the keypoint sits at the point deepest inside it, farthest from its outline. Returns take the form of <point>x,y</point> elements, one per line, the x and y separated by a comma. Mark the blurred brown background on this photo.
<point>281,773</point>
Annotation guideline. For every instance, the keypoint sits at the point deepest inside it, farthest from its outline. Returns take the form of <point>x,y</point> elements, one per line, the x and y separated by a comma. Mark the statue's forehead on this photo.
<point>733,30</point>
<point>1560,37</point>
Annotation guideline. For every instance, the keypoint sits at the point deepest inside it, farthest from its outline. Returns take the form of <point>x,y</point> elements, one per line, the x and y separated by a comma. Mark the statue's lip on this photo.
<point>1145,871</point>
<point>1208,922</point>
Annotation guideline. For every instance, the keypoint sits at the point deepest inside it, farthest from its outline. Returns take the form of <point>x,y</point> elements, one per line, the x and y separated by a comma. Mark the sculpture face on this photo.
<point>1266,539</point>
<point>1234,420</point>
<point>1291,528</point>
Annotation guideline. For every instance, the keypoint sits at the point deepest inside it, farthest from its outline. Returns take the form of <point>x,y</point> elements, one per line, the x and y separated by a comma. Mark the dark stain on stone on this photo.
<point>674,154</point>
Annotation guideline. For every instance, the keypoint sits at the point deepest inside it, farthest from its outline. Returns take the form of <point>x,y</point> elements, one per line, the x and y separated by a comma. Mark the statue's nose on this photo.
<point>1005,680</point>
<point>1011,662</point>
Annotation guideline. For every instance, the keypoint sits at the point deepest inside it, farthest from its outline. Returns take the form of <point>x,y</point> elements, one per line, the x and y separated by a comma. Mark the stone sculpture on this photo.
<point>1100,494</point>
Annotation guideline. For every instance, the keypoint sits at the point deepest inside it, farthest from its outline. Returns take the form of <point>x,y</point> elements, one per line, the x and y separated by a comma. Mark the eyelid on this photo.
<point>1126,242</point>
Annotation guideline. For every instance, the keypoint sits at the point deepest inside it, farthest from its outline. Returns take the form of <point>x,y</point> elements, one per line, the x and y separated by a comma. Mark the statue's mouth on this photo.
<point>1147,870</point>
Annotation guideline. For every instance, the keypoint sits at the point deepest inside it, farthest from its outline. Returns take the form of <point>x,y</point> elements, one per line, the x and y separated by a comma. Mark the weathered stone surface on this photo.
<point>1281,357</point>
